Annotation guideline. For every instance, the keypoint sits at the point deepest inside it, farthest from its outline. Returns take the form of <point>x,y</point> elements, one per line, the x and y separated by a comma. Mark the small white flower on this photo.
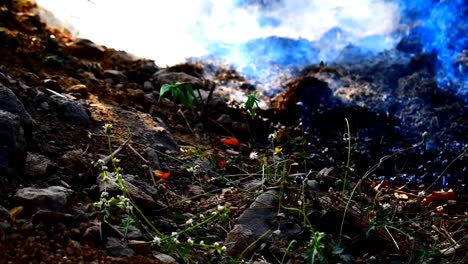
<point>202,216</point>
<point>174,234</point>
<point>189,222</point>
<point>129,208</point>
<point>216,244</point>
<point>157,240</point>
<point>190,241</point>
<point>253,155</point>
<point>277,232</point>
<point>224,248</point>
<point>220,208</point>
<point>104,194</point>
<point>202,242</point>
<point>272,136</point>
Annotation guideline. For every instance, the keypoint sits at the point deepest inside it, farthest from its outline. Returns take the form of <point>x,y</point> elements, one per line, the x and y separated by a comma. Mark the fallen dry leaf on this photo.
<point>232,142</point>
<point>439,196</point>
<point>162,175</point>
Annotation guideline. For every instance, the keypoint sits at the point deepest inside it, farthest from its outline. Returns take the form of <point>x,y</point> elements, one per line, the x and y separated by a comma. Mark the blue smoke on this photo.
<point>441,28</point>
<point>438,27</point>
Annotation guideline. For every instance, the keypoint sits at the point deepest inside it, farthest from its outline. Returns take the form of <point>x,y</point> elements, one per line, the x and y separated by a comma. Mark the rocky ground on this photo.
<point>348,163</point>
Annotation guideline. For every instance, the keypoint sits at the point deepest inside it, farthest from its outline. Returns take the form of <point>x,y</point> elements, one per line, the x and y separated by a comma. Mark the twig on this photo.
<point>186,122</point>
<point>150,170</point>
<point>109,158</point>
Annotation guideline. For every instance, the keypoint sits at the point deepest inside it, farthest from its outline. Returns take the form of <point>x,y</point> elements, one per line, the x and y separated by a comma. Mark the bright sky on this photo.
<point>170,31</point>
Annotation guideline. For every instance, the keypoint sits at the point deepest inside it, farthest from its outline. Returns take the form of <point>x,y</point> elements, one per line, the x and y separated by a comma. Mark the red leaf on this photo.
<point>162,175</point>
<point>233,142</point>
<point>221,163</point>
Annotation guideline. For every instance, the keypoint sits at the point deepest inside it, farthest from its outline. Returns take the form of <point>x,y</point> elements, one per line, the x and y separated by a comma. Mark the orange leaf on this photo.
<point>162,175</point>
<point>233,142</point>
<point>439,196</point>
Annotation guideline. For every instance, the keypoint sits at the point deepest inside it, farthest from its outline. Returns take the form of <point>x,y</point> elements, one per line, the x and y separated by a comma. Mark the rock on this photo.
<point>74,160</point>
<point>12,145</point>
<point>239,238</point>
<point>153,132</point>
<point>162,77</point>
<point>5,214</point>
<point>118,248</point>
<point>164,259</point>
<point>92,235</point>
<point>10,103</point>
<point>259,218</point>
<point>136,94</point>
<point>71,111</point>
<point>140,247</point>
<point>148,86</point>
<point>52,198</point>
<point>80,89</point>
<point>37,165</point>
<point>51,217</point>
<point>153,158</point>
<point>313,185</point>
<point>194,190</point>
<point>116,76</point>
<point>84,48</point>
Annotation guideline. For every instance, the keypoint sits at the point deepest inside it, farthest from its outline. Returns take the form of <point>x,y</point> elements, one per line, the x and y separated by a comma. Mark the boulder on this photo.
<point>10,103</point>
<point>52,198</point>
<point>12,145</point>
<point>71,111</point>
<point>37,165</point>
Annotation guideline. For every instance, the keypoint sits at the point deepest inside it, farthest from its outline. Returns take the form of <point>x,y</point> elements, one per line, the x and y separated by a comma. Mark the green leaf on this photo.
<point>164,89</point>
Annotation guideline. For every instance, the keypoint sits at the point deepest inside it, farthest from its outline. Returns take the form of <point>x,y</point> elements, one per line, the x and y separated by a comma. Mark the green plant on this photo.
<point>168,243</point>
<point>252,104</point>
<point>180,92</point>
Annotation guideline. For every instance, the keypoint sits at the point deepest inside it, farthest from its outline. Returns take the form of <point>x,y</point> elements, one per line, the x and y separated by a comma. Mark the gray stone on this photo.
<point>52,198</point>
<point>92,235</point>
<point>239,238</point>
<point>10,103</point>
<point>74,160</point>
<point>5,214</point>
<point>12,145</point>
<point>260,218</point>
<point>261,215</point>
<point>162,77</point>
<point>164,259</point>
<point>118,248</point>
<point>37,165</point>
<point>194,190</point>
<point>71,111</point>
<point>148,86</point>
<point>314,185</point>
<point>116,76</point>
<point>152,131</point>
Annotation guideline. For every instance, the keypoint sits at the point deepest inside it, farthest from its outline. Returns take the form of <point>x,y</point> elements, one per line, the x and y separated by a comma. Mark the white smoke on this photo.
<point>170,31</point>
